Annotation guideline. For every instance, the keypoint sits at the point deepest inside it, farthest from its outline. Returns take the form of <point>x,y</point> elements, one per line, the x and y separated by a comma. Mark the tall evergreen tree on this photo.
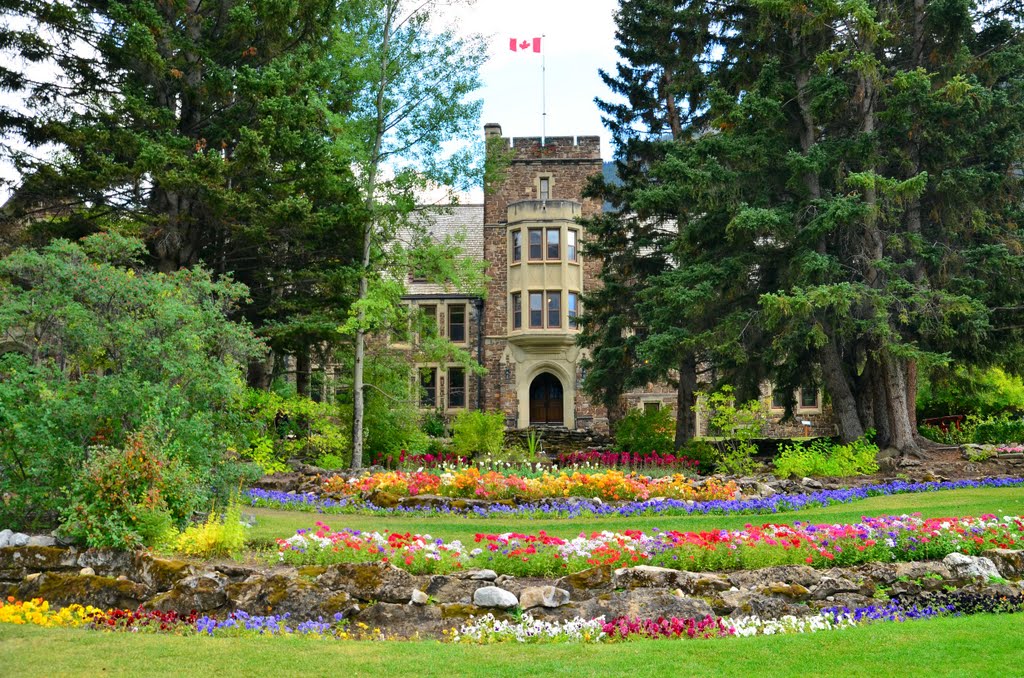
<point>203,127</point>
<point>853,196</point>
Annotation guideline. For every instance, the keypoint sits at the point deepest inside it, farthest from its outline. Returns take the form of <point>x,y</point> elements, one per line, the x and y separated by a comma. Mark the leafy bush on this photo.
<point>735,428</point>
<point>434,424</point>
<point>478,432</point>
<point>101,351</point>
<point>645,431</point>
<point>216,536</point>
<point>979,391</point>
<point>823,458</point>
<point>978,430</point>
<point>1004,429</point>
<point>129,497</point>
<point>278,427</point>
<point>704,453</point>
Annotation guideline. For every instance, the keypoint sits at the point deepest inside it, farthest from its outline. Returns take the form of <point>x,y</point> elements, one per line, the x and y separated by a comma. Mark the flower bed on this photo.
<point>630,459</point>
<point>884,539</point>
<point>471,483</point>
<point>490,629</point>
<point>571,508</point>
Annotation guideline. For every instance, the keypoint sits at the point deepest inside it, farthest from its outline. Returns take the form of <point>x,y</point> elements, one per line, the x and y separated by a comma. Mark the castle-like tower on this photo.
<point>534,248</point>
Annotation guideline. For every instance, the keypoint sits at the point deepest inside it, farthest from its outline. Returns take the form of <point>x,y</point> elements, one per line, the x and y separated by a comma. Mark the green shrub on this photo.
<point>434,424</point>
<point>129,497</point>
<point>995,430</point>
<point>824,458</point>
<point>216,536</point>
<point>979,430</point>
<point>979,391</point>
<point>734,429</point>
<point>644,431</point>
<point>279,426</point>
<point>331,462</point>
<point>476,432</point>
<point>115,350</point>
<point>704,453</point>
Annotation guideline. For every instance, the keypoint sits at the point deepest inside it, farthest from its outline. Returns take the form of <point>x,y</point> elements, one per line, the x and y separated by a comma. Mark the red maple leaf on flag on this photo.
<point>524,45</point>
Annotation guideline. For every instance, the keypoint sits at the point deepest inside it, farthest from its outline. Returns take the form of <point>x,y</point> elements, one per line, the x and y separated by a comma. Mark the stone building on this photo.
<point>524,332</point>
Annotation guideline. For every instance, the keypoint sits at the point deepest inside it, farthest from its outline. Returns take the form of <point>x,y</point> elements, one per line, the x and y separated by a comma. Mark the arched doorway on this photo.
<point>546,400</point>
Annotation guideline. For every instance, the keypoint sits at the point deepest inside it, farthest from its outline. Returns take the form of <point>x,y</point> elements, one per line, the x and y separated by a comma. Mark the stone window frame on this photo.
<point>574,234</point>
<point>512,246</point>
<point>816,407</point>
<point>449,388</point>
<point>465,323</point>
<point>529,244</point>
<point>516,306</point>
<point>571,315</point>
<point>537,185</point>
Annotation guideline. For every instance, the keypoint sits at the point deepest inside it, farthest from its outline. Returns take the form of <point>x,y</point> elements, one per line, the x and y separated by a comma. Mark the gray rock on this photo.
<point>789,574</point>
<point>968,567</point>
<point>419,598</point>
<point>377,582</point>
<point>403,621</point>
<point>18,539</point>
<point>483,575</point>
<point>41,540</point>
<point>447,589</point>
<point>830,586</point>
<point>492,596</point>
<point>203,592</point>
<point>543,596</point>
<point>1009,562</point>
<point>5,537</point>
<point>644,603</point>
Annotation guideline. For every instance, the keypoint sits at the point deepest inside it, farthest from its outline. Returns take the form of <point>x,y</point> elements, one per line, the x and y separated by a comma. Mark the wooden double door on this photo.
<point>546,400</point>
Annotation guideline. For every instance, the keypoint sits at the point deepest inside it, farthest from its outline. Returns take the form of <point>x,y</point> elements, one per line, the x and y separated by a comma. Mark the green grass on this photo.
<point>982,645</point>
<point>274,524</point>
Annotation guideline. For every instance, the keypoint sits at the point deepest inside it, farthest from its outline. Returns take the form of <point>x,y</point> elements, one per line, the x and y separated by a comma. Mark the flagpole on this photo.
<point>543,91</point>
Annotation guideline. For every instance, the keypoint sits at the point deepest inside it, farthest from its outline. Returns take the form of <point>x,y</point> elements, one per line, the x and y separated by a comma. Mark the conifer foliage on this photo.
<point>844,188</point>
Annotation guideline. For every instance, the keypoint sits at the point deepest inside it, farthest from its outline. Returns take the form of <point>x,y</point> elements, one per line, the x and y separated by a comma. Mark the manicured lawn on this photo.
<point>273,524</point>
<point>982,645</point>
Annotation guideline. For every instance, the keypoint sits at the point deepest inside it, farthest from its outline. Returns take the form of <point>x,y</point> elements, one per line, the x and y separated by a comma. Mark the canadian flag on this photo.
<point>517,45</point>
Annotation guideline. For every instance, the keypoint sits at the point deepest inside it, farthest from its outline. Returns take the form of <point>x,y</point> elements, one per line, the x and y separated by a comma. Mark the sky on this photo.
<point>578,39</point>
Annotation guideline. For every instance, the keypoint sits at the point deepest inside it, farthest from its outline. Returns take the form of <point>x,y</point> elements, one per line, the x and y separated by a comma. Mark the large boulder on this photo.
<point>61,589</point>
<point>403,621</point>
<point>647,576</point>
<point>543,596</point>
<point>287,592</point>
<point>160,574</point>
<point>829,587</point>
<point>1009,562</point>
<point>16,562</point>
<point>970,567</point>
<point>377,582</point>
<point>203,592</point>
<point>787,574</point>
<point>587,583</point>
<point>644,603</point>
<point>494,596</point>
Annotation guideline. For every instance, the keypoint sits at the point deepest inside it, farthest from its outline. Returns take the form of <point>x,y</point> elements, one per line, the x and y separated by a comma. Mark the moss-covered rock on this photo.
<point>18,561</point>
<point>60,589</point>
<point>369,581</point>
<point>204,592</point>
<point>161,574</point>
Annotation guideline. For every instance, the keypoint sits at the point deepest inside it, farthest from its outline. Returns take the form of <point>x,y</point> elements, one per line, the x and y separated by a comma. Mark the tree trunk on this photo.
<point>844,405</point>
<point>880,405</point>
<point>302,369</point>
<point>895,380</point>
<point>358,397</point>
<point>686,421</point>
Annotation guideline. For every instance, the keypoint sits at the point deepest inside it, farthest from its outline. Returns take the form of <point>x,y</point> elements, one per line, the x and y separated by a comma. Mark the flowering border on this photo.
<point>779,503</point>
